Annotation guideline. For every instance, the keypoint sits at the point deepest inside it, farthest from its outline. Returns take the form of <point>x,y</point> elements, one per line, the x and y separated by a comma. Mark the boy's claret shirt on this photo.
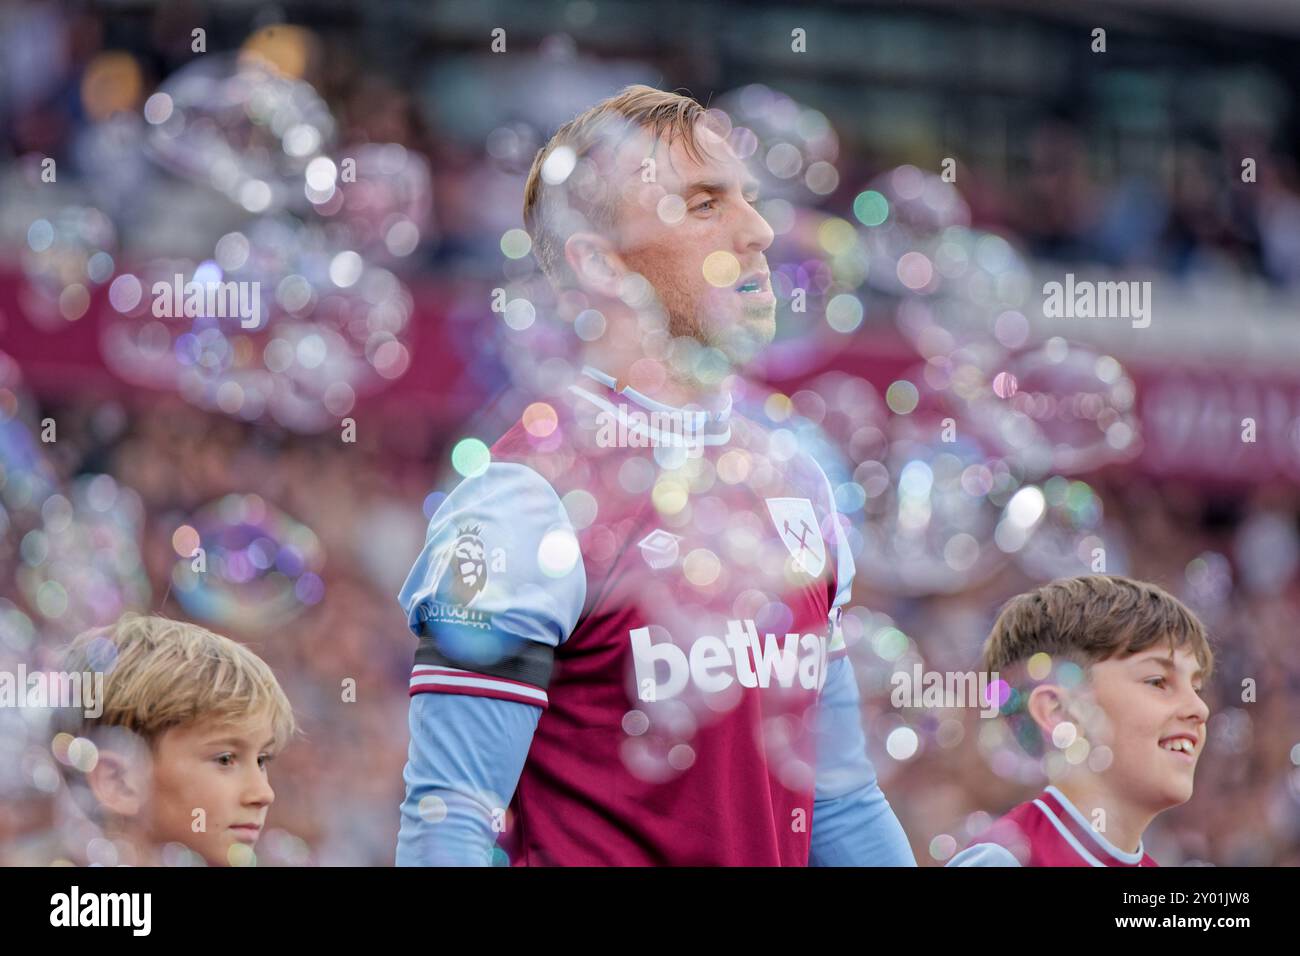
<point>1046,831</point>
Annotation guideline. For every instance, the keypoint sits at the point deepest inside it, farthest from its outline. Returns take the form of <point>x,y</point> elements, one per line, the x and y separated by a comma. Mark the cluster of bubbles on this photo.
<point>791,146</point>
<point>970,466</point>
<point>65,248</point>
<point>26,481</point>
<point>333,319</point>
<point>26,478</point>
<point>305,229</point>
<point>241,126</point>
<point>932,506</point>
<point>72,550</point>
<point>817,265</point>
<point>23,766</point>
<point>75,556</point>
<point>243,562</point>
<point>323,327</point>
<point>82,565</point>
<point>934,513</point>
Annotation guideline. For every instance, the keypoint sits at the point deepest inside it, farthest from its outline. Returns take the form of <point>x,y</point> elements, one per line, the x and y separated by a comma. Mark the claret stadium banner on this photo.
<point>660,443</point>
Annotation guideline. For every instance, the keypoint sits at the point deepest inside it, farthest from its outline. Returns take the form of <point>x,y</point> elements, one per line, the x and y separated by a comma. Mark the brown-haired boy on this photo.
<point>179,754</point>
<point>1105,673</point>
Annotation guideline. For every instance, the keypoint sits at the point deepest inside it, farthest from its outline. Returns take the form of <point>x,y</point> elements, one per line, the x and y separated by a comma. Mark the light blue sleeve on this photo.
<point>498,585</point>
<point>853,823</point>
<point>500,566</point>
<point>984,854</point>
<point>464,762</point>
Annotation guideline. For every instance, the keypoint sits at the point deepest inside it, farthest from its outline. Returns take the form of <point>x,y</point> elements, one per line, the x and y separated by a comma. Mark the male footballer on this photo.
<point>628,619</point>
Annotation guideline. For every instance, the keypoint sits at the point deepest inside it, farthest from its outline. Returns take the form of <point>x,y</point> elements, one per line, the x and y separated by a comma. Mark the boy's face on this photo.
<point>1150,708</point>
<point>221,768</point>
<point>695,235</point>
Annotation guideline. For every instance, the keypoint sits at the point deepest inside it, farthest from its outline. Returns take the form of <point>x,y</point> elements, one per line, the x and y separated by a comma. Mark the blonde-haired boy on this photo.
<point>189,722</point>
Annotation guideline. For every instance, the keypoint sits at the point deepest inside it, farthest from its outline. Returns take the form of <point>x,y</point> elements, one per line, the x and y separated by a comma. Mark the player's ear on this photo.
<point>1048,705</point>
<point>594,263</point>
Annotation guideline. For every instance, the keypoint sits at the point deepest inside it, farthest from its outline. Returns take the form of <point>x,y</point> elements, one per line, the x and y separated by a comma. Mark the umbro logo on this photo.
<point>659,548</point>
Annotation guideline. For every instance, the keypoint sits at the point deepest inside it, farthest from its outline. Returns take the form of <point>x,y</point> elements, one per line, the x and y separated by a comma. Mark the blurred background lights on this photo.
<point>515,243</point>
<point>870,207</point>
<point>844,313</point>
<point>1039,666</point>
<point>902,743</point>
<point>942,847</point>
<point>671,209</point>
<point>721,269</point>
<point>558,165</point>
<point>902,397</point>
<point>558,553</point>
<point>890,643</point>
<point>470,457</point>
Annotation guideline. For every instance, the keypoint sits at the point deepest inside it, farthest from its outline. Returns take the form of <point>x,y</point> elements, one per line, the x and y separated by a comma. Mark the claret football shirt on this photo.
<point>664,585</point>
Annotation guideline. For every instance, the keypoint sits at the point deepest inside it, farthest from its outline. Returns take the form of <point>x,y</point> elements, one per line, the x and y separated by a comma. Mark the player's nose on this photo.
<point>753,234</point>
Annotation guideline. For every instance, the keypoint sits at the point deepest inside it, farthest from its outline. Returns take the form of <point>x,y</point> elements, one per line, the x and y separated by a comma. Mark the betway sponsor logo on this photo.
<point>713,664</point>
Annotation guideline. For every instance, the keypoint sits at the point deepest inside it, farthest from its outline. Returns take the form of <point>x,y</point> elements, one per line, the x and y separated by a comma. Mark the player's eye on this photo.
<point>705,206</point>
<point>1156,681</point>
<point>264,759</point>
<point>226,760</point>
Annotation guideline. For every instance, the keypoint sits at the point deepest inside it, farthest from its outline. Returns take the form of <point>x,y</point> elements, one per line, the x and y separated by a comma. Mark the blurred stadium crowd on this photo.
<point>382,291</point>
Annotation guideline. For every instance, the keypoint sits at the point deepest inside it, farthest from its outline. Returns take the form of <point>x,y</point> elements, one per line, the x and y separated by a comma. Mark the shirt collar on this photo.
<point>1106,845</point>
<point>706,427</point>
<point>650,404</point>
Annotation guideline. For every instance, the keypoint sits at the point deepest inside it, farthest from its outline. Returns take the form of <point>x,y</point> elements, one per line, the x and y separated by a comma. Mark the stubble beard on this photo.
<point>740,340</point>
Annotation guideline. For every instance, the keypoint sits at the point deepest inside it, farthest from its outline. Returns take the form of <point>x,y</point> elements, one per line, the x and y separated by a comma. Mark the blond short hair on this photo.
<point>553,212</point>
<point>160,674</point>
